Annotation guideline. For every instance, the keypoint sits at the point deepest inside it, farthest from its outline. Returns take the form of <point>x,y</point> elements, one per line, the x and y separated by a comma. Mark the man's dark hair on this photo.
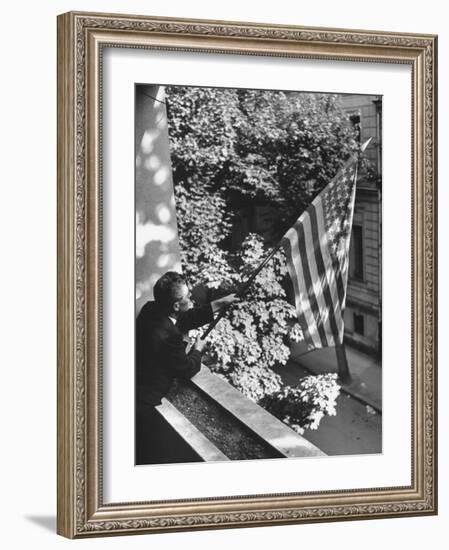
<point>167,289</point>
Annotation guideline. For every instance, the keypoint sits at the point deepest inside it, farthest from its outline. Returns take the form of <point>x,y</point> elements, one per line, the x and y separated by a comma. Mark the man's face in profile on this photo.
<point>184,302</point>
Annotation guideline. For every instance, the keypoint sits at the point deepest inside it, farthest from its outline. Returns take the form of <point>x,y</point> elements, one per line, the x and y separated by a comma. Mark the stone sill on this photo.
<point>266,427</point>
<point>200,445</point>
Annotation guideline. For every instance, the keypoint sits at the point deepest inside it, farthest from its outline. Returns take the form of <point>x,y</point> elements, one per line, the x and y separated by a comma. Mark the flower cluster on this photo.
<point>302,407</point>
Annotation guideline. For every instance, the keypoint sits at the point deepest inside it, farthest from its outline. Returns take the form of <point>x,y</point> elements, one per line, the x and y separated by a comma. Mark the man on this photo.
<point>161,354</point>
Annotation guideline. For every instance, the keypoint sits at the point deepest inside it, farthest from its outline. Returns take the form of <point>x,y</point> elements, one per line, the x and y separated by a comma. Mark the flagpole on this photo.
<point>342,363</point>
<point>244,287</point>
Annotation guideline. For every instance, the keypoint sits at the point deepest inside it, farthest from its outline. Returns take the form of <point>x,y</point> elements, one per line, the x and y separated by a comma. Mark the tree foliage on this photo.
<point>247,147</point>
<point>257,332</point>
<point>317,396</point>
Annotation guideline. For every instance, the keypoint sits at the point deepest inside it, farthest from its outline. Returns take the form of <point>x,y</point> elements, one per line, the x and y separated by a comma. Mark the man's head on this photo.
<point>171,294</point>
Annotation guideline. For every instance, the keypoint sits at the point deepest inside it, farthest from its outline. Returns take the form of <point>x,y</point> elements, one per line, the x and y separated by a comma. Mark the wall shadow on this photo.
<point>157,246</point>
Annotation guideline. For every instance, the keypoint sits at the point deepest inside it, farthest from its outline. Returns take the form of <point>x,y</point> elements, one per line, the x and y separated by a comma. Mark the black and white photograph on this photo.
<point>258,238</point>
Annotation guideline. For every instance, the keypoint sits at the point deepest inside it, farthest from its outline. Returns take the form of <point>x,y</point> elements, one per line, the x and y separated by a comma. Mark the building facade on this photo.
<point>363,315</point>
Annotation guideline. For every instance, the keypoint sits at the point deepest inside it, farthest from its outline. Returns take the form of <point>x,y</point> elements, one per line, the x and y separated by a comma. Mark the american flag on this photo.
<point>317,249</point>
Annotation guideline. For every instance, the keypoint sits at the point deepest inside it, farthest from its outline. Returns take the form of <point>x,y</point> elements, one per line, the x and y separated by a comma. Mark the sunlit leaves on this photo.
<point>303,406</point>
<point>256,333</point>
<point>272,147</point>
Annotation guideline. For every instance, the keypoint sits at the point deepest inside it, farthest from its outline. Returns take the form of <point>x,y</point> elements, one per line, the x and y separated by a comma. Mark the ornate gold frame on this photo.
<point>81,37</point>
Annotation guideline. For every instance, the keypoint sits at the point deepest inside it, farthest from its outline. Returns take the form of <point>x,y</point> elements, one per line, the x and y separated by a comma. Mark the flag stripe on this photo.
<point>330,300</point>
<point>350,210</point>
<point>309,283</point>
<point>318,274</point>
<point>328,264</point>
<point>303,299</point>
<point>300,311</point>
<point>336,268</point>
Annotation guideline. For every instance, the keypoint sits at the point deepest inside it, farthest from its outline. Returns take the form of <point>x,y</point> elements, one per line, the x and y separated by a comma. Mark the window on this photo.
<point>359,325</point>
<point>355,121</point>
<point>356,253</point>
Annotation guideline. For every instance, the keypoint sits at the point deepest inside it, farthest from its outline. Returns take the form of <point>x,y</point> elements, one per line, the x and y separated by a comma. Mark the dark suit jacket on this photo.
<point>160,350</point>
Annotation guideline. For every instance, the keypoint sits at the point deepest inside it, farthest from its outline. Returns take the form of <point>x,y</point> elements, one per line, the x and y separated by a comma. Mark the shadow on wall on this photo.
<point>157,246</point>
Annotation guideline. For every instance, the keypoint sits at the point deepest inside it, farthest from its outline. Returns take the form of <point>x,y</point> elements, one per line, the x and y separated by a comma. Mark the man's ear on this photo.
<point>176,306</point>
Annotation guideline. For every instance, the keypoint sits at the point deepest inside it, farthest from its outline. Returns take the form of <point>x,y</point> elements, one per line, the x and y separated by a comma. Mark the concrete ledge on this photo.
<point>204,448</point>
<point>260,422</point>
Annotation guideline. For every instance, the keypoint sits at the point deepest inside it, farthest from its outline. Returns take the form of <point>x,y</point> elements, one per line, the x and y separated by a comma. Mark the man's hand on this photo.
<point>199,344</point>
<point>223,302</point>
